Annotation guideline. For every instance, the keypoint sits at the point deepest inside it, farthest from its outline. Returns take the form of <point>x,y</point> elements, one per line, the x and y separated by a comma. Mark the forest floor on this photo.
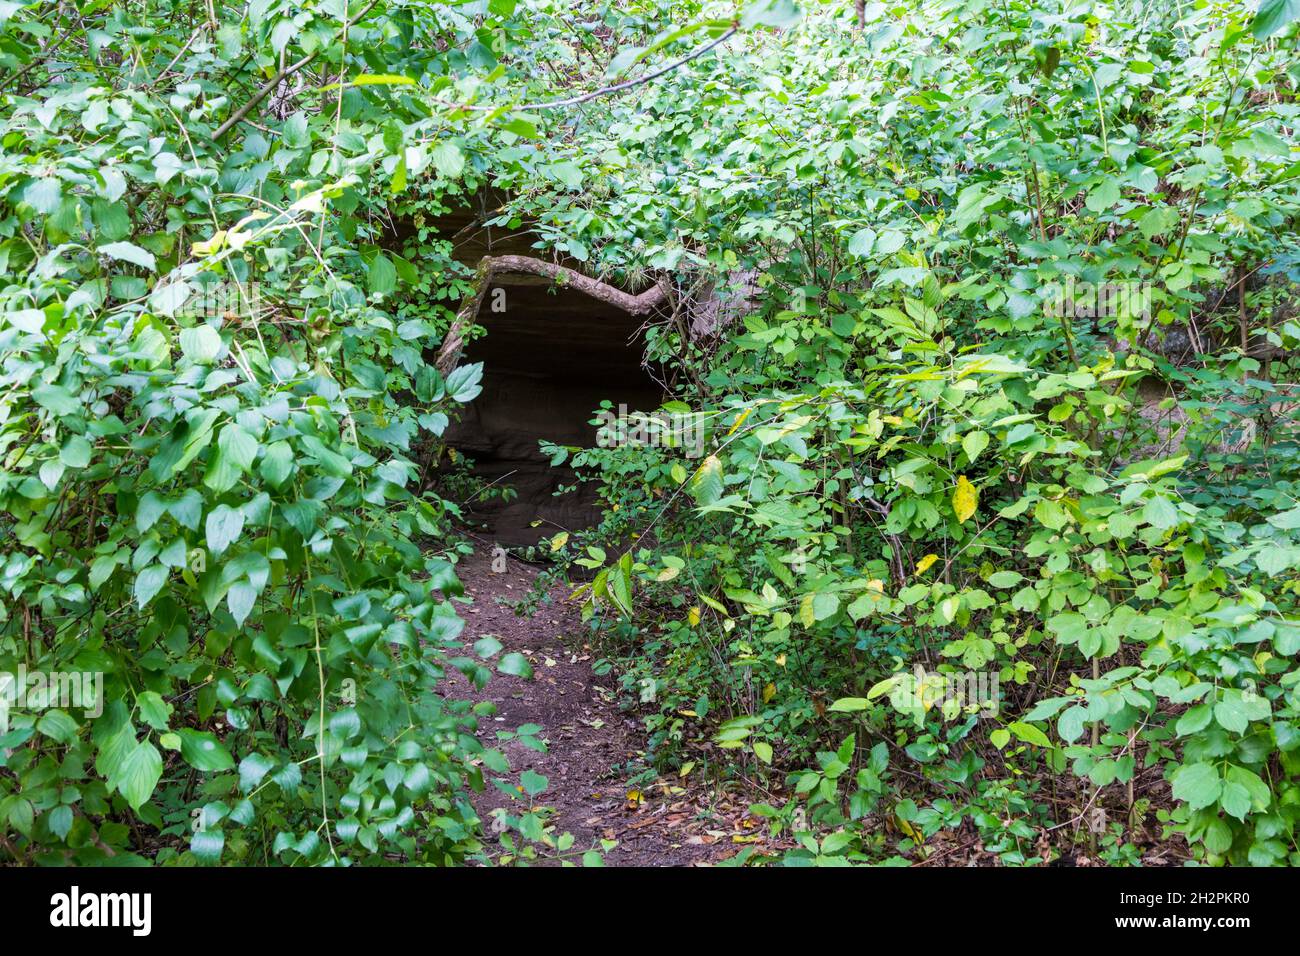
<point>598,783</point>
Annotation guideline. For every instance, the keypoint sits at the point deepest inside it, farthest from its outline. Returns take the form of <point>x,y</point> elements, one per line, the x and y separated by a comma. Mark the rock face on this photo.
<point>549,357</point>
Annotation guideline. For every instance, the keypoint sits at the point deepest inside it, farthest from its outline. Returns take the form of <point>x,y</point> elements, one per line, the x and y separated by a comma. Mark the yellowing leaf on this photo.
<point>908,829</point>
<point>740,420</point>
<point>381,79</point>
<point>807,617</point>
<point>965,499</point>
<point>559,541</point>
<point>706,484</point>
<point>924,564</point>
<point>769,692</point>
<point>780,660</point>
<point>693,616</point>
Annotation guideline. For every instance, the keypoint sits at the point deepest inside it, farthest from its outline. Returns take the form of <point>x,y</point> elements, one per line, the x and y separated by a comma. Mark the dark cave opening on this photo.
<point>550,356</point>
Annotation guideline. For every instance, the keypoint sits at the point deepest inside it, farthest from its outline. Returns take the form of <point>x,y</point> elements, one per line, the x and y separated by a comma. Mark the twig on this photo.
<point>283,73</point>
<point>604,90</point>
<point>39,59</point>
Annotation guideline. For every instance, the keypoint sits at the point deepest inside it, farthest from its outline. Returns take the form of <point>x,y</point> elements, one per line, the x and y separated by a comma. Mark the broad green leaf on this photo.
<point>129,252</point>
<point>1198,784</point>
<point>201,343</point>
<point>203,751</point>
<point>1273,16</point>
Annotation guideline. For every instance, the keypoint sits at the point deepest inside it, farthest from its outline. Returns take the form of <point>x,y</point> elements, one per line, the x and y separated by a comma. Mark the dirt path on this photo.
<point>593,748</point>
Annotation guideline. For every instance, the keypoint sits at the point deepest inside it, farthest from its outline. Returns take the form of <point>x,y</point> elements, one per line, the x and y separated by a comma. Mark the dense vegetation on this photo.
<point>1009,395</point>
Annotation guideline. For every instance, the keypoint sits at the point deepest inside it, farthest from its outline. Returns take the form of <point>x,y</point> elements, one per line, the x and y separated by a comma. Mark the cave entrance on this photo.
<point>550,356</point>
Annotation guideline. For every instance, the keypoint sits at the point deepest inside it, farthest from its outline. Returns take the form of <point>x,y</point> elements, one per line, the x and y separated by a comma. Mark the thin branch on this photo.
<point>284,73</point>
<point>41,57</point>
<point>604,90</point>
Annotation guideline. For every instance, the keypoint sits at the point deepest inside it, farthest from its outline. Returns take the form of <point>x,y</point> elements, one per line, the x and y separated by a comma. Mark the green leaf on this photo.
<point>1231,715</point>
<point>31,321</point>
<point>149,582</point>
<point>60,821</point>
<point>381,276</point>
<point>76,452</point>
<point>236,449</point>
<point>128,252</point>
<point>847,705</point>
<point>295,133</point>
<point>1069,628</point>
<point>203,751</point>
<point>516,665</point>
<point>464,383</point>
<point>240,600</point>
<point>252,769</point>
<point>1194,720</point>
<point>1102,196</point>
<point>1274,16</point>
<point>44,194</point>
<point>207,844</point>
<point>1261,796</point>
<point>398,182</point>
<point>825,605</point>
<point>780,14</point>
<point>223,528</point>
<point>1029,734</point>
<point>154,711</point>
<point>862,242</point>
<point>57,399</point>
<point>973,443</point>
<point>1197,784</point>
<point>1069,726</point>
<point>381,79</point>
<point>138,773</point>
<point>487,646</point>
<point>277,463</point>
<point>1160,512</point>
<point>533,782</point>
<point>448,160</point>
<point>201,344</point>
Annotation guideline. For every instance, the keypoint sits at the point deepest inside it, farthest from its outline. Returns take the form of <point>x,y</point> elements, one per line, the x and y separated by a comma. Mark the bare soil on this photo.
<point>593,747</point>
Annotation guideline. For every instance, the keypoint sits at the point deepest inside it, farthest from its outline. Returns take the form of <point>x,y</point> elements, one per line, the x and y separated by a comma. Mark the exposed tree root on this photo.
<point>493,266</point>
